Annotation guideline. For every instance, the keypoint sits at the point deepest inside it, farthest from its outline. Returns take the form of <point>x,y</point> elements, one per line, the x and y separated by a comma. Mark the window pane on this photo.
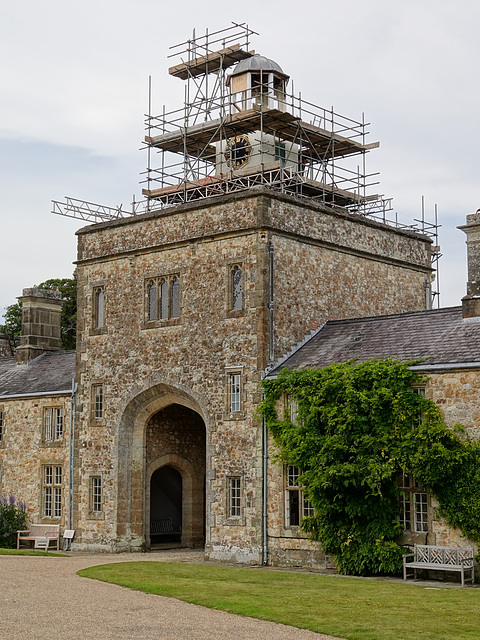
<point>57,502</point>
<point>1,425</point>
<point>164,300</point>
<point>234,497</point>
<point>96,494</point>
<point>308,509</point>
<point>293,508</point>
<point>99,308</point>
<point>48,477</point>
<point>293,473</point>
<point>421,519</point>
<point>58,424</point>
<point>235,404</point>
<point>152,301</point>
<point>237,301</point>
<point>47,501</point>
<point>48,425</point>
<point>405,517</point>
<point>98,401</point>
<point>175,298</point>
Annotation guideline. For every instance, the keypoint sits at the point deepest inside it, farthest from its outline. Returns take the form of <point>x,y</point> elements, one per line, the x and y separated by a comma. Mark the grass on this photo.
<point>351,608</point>
<point>30,552</point>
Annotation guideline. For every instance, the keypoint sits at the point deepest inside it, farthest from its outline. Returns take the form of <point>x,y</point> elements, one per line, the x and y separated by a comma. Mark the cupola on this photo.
<point>260,80</point>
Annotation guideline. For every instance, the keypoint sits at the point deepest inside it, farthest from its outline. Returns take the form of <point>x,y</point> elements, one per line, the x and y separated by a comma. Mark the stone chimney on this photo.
<point>41,316</point>
<point>471,302</point>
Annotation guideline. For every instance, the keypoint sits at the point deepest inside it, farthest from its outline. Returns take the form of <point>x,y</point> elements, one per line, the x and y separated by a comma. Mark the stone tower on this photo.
<point>181,308</point>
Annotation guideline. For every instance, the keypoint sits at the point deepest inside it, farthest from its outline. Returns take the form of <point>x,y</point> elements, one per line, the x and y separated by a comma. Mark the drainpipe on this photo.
<point>70,461</point>
<point>271,348</point>
<point>271,357</point>
<point>265,492</point>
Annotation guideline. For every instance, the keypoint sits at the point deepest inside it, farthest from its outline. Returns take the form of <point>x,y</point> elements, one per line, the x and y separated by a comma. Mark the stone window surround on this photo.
<point>228,414</point>
<point>100,514</point>
<point>54,464</point>
<point>156,278</point>
<point>54,441</point>
<point>231,264</point>
<point>229,519</point>
<point>97,420</point>
<point>96,286</point>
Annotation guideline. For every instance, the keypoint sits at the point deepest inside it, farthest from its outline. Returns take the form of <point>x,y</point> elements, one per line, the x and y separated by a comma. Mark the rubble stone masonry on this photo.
<point>326,264</point>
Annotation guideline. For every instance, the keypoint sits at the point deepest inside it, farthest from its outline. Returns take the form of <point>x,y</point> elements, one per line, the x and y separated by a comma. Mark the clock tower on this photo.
<point>256,83</point>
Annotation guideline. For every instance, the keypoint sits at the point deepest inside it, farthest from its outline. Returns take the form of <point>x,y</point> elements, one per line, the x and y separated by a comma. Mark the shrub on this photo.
<point>12,518</point>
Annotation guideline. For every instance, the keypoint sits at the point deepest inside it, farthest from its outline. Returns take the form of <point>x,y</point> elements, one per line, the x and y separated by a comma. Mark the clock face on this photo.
<point>238,151</point>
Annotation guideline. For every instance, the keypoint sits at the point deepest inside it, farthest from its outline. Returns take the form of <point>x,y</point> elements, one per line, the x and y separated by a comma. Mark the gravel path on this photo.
<point>43,598</point>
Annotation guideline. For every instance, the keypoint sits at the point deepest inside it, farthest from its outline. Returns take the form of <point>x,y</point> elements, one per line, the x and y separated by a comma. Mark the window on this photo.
<point>234,390</point>
<point>413,505</point>
<point>237,289</point>
<point>297,505</point>
<point>292,409</point>
<point>52,424</point>
<point>163,298</point>
<point>52,491</point>
<point>280,152</point>
<point>96,494</point>
<point>1,425</point>
<point>98,307</point>
<point>234,497</point>
<point>97,401</point>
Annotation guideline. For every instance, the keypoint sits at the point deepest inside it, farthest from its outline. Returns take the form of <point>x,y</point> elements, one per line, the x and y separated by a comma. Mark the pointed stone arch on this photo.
<point>132,473</point>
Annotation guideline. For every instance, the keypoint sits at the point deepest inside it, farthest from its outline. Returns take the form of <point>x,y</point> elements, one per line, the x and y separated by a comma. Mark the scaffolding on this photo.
<point>323,152</point>
<point>315,152</point>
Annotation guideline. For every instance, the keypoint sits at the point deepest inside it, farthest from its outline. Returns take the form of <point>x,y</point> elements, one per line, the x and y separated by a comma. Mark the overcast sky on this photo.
<point>73,92</point>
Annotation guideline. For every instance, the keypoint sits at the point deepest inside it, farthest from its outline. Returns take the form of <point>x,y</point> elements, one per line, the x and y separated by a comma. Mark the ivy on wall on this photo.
<point>358,426</point>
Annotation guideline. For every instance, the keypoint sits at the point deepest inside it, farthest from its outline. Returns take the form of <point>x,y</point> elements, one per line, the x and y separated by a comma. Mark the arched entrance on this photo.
<point>175,457</point>
<point>162,467</point>
<point>165,506</point>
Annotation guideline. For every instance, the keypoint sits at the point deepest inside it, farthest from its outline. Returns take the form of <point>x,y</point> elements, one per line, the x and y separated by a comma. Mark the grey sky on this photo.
<point>73,91</point>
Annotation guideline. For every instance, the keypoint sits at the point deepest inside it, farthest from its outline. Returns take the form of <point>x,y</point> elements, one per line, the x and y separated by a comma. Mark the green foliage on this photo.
<point>12,518</point>
<point>13,319</point>
<point>68,289</point>
<point>359,426</point>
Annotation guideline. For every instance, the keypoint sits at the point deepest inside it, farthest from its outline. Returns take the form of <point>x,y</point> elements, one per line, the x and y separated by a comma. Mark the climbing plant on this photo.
<point>357,427</point>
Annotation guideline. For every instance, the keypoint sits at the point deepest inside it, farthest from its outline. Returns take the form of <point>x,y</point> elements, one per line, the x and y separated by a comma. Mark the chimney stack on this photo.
<point>471,302</point>
<point>41,318</point>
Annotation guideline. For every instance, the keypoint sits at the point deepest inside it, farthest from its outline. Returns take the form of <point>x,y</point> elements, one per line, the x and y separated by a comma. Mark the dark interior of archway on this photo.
<point>179,431</point>
<point>166,505</point>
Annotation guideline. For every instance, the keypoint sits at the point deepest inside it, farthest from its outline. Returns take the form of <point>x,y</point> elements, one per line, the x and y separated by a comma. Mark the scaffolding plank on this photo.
<point>314,141</point>
<point>211,62</point>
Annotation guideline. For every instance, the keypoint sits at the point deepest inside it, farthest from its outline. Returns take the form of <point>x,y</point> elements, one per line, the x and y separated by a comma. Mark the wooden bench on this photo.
<point>38,533</point>
<point>436,558</point>
<point>163,527</point>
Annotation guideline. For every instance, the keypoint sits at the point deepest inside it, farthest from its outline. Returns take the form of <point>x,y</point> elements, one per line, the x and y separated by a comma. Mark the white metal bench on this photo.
<point>436,558</point>
<point>38,533</point>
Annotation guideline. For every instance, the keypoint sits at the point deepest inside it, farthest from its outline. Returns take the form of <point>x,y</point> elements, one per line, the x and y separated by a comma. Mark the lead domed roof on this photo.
<point>257,63</point>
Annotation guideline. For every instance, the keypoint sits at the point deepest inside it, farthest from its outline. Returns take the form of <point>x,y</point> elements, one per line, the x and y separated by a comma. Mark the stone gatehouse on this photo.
<point>180,311</point>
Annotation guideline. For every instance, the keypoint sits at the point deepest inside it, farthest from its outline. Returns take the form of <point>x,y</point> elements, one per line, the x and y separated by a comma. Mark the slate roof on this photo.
<point>439,337</point>
<point>53,371</point>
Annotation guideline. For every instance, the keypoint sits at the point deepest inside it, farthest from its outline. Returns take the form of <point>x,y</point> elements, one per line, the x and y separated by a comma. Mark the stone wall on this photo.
<point>23,453</point>
<point>322,260</point>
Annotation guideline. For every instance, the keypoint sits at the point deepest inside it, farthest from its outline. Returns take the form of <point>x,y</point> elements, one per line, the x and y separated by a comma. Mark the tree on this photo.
<point>68,289</point>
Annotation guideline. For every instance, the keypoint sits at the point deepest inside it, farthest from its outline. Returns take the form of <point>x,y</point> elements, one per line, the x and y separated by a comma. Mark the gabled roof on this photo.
<point>50,373</point>
<point>442,338</point>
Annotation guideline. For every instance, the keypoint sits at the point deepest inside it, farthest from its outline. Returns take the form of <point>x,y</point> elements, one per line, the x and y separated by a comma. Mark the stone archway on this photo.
<point>143,419</point>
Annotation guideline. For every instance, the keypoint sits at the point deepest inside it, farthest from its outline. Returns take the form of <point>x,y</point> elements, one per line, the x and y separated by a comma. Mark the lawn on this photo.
<point>30,552</point>
<point>351,608</point>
